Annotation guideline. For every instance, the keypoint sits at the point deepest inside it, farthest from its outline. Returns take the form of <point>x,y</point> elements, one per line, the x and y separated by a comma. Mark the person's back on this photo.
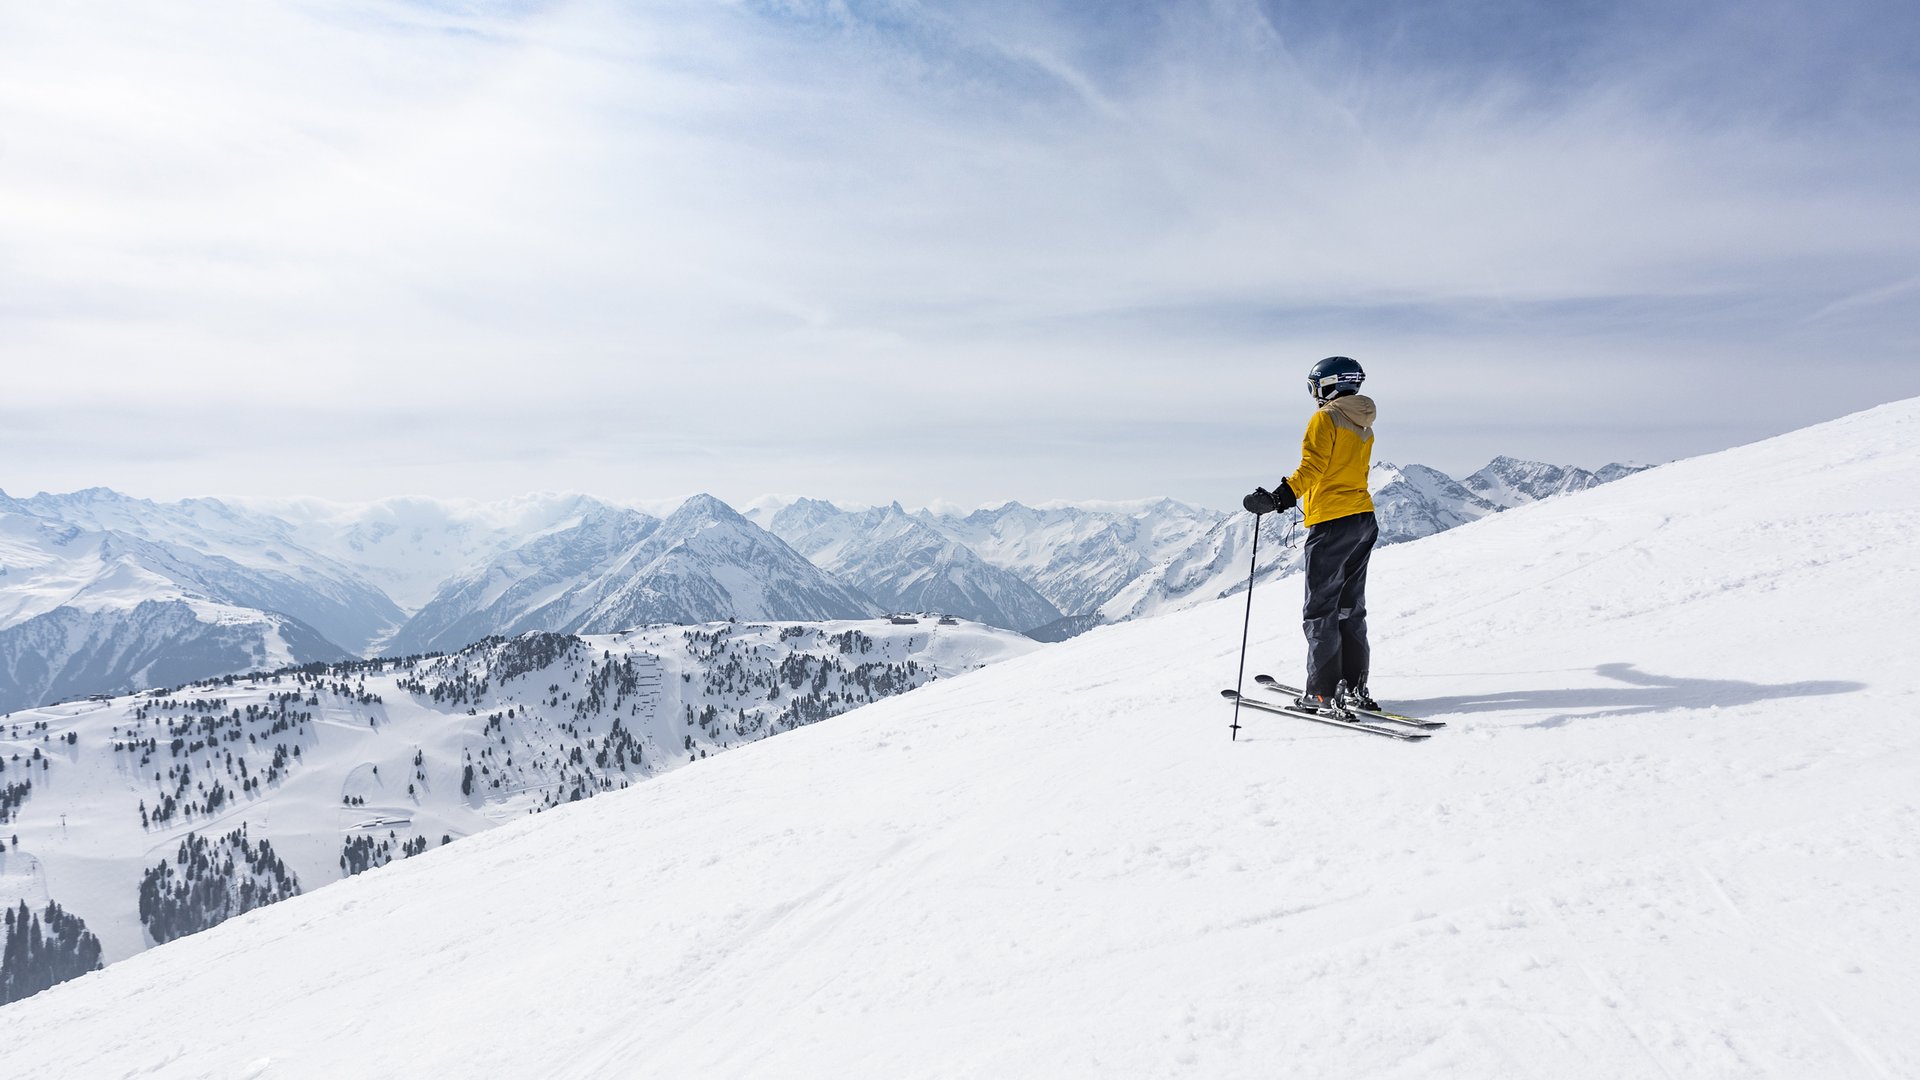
<point>1335,457</point>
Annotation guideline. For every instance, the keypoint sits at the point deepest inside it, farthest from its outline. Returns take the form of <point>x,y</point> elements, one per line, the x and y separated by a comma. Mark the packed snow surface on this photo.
<point>1670,831</point>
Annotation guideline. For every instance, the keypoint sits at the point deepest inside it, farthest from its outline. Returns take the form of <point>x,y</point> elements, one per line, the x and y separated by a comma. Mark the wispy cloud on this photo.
<point>597,237</point>
<point>1868,298</point>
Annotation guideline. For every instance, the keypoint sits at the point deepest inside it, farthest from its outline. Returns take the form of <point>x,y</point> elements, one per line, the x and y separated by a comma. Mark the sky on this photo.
<point>939,253</point>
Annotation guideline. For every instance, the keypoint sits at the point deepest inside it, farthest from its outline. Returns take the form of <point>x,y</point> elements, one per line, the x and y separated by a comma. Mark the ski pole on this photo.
<point>1240,683</point>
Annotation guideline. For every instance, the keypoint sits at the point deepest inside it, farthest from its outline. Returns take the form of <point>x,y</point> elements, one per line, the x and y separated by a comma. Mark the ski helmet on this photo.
<point>1335,377</point>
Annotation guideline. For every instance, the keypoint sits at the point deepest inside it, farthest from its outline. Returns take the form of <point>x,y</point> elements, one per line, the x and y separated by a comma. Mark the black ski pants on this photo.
<point>1335,616</point>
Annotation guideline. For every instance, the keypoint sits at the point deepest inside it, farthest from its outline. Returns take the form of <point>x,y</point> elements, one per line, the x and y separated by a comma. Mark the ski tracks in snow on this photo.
<point>761,948</point>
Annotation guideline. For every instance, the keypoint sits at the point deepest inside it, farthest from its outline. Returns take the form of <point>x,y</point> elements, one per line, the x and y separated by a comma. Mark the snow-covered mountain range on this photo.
<point>905,563</point>
<point>236,556</point>
<point>411,547</point>
<point>612,568</point>
<point>1078,556</point>
<point>86,608</point>
<point>1508,482</point>
<point>104,593</point>
<point>1411,502</point>
<point>1668,831</point>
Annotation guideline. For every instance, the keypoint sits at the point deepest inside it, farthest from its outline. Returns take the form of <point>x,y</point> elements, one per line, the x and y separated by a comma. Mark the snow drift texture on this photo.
<point>1670,831</point>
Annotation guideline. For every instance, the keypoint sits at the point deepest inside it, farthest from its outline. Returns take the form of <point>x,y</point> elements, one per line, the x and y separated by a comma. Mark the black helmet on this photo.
<point>1336,376</point>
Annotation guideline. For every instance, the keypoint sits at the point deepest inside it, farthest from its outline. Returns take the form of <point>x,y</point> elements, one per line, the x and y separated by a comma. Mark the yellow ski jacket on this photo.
<point>1334,458</point>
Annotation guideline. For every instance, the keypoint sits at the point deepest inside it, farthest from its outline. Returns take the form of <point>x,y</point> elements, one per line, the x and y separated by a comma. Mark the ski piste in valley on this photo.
<point>1670,830</point>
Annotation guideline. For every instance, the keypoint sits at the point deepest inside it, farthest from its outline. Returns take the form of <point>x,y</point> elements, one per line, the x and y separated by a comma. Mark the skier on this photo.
<point>1330,487</point>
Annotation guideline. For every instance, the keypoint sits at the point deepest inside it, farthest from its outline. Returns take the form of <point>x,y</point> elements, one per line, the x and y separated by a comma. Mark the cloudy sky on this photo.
<point>930,251</point>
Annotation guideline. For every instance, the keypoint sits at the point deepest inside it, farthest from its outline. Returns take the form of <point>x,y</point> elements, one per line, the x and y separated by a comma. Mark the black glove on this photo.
<point>1285,499</point>
<point>1261,501</point>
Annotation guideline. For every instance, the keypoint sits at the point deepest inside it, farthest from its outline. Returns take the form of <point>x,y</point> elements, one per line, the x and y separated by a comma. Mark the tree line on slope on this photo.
<point>208,882</point>
<point>40,953</point>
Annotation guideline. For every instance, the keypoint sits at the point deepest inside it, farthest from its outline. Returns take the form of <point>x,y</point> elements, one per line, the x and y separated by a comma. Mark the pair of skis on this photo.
<point>1389,724</point>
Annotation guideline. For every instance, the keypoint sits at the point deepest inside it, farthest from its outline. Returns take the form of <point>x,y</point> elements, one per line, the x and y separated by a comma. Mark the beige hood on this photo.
<point>1355,412</point>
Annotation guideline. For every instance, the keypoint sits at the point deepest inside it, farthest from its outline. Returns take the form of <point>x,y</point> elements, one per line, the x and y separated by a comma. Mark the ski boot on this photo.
<point>1356,697</point>
<point>1322,705</point>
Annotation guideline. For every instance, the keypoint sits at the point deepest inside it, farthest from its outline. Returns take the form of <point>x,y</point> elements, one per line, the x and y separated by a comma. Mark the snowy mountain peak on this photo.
<point>104,592</point>
<point>88,495</point>
<point>1078,556</point>
<point>906,564</point>
<point>1508,482</point>
<point>1607,474</point>
<point>1007,510</point>
<point>1415,501</point>
<point>613,569</point>
<point>546,583</point>
<point>800,516</point>
<point>702,509</point>
<point>413,547</point>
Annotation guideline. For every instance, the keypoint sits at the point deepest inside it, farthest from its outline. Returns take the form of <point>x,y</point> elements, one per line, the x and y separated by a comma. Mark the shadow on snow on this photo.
<point>1643,693</point>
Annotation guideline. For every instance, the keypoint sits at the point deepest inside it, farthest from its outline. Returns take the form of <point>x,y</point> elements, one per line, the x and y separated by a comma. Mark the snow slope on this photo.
<point>559,718</point>
<point>1671,831</point>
